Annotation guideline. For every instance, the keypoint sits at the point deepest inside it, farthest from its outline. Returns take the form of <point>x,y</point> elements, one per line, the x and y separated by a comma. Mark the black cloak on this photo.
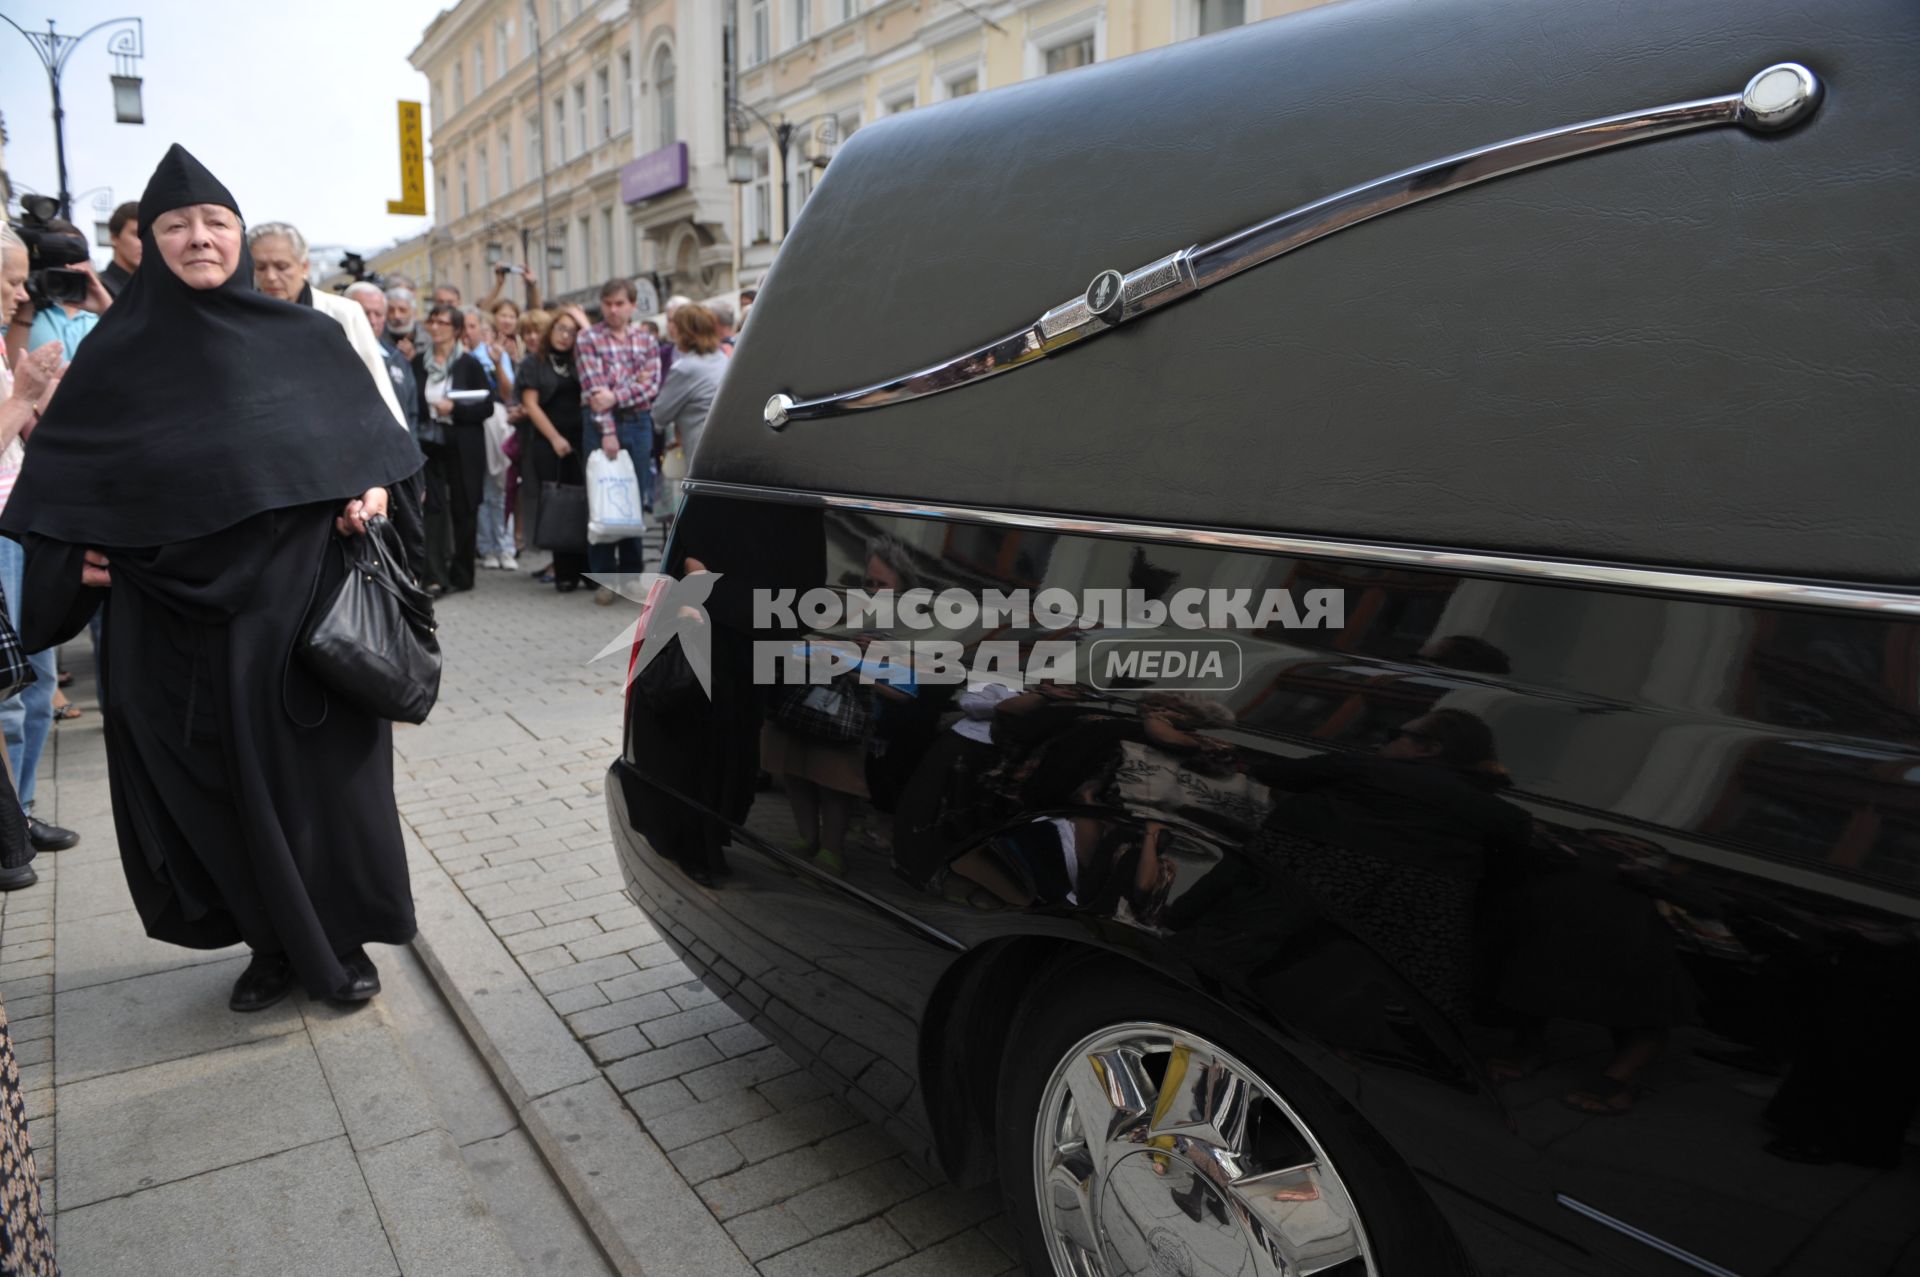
<point>204,440</point>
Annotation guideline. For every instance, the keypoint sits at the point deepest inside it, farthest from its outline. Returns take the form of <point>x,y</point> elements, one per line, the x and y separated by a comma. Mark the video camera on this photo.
<point>54,247</point>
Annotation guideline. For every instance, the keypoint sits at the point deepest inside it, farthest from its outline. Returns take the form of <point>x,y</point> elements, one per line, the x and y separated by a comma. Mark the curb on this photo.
<point>645,1217</point>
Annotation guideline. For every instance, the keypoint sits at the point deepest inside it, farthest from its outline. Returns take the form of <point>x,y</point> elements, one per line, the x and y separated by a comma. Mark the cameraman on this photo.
<point>61,279</point>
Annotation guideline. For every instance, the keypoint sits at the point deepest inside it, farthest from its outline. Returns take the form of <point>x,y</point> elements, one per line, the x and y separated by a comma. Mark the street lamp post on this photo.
<point>127,46</point>
<point>824,128</point>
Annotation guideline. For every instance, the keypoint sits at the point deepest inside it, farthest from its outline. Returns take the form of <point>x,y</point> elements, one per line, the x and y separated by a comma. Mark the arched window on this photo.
<point>669,130</point>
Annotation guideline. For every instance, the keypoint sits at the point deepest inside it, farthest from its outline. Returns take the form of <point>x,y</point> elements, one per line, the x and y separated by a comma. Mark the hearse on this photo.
<point>1305,647</point>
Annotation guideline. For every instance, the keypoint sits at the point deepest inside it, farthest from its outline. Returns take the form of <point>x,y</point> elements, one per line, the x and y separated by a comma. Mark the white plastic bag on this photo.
<point>499,430</point>
<point>614,511</point>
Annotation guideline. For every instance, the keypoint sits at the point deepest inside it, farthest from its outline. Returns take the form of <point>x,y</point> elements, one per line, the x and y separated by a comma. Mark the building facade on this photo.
<point>829,66</point>
<point>589,140</point>
<point>583,140</point>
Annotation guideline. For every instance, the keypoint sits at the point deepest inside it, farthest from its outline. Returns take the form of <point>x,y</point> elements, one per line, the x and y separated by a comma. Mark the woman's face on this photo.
<point>200,243</point>
<point>561,335</point>
<point>506,322</point>
<point>278,271</point>
<point>440,329</point>
<point>470,332</point>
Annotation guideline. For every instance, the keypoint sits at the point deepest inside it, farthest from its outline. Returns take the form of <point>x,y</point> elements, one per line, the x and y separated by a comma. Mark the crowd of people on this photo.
<point>504,401</point>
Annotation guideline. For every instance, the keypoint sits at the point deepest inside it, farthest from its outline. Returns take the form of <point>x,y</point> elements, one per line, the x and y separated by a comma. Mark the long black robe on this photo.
<point>238,821</point>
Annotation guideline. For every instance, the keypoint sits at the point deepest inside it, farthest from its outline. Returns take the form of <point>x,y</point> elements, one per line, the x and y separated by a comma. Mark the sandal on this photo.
<point>1603,1095</point>
<point>65,712</point>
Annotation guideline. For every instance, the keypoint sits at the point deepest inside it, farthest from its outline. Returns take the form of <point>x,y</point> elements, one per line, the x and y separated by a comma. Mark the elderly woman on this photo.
<point>456,466</point>
<point>193,471</point>
<point>280,269</point>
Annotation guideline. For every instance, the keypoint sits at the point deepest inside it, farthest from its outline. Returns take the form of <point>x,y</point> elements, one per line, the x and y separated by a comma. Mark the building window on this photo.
<point>663,86</point>
<point>500,46</point>
<point>459,86</point>
<point>560,130</point>
<point>484,170</point>
<point>802,21</point>
<point>1218,15</point>
<point>464,201</point>
<point>1065,57</point>
<point>961,85</point>
<point>442,207</point>
<point>849,10</point>
<point>606,237</point>
<point>536,162</point>
<point>559,16</point>
<point>801,186</point>
<point>602,85</point>
<point>762,196</point>
<point>626,91</point>
<point>760,41</point>
<point>479,68</point>
<point>506,158</point>
<point>899,103</point>
<point>530,38</point>
<point>580,116</point>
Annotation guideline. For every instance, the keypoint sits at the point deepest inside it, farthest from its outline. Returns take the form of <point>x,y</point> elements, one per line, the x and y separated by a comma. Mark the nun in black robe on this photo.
<point>204,441</point>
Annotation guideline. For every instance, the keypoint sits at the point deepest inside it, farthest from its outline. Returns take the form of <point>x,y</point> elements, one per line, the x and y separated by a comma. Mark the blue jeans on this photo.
<point>493,537</point>
<point>635,432</point>
<point>27,717</point>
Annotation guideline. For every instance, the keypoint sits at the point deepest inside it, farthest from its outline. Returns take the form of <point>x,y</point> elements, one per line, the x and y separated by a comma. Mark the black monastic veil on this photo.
<point>204,440</point>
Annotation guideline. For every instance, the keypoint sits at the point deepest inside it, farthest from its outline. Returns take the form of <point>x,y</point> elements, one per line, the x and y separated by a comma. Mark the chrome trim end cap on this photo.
<point>1779,97</point>
<point>775,412</point>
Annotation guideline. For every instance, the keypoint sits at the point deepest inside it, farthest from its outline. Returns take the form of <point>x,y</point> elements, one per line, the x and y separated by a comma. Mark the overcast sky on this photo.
<point>289,102</point>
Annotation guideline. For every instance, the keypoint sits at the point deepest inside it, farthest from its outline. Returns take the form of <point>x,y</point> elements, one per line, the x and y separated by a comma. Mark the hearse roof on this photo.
<point>1697,350</point>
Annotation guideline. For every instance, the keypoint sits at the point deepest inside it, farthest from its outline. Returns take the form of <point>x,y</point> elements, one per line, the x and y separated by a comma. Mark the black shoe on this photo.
<point>267,979</point>
<point>363,979</point>
<point>47,837</point>
<point>14,879</point>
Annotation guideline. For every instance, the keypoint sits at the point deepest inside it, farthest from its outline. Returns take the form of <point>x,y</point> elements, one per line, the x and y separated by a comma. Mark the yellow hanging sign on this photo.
<point>413,165</point>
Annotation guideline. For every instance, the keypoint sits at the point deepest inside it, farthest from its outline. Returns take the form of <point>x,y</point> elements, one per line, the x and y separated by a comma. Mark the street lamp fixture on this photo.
<point>823,128</point>
<point>126,100</point>
<point>495,254</point>
<point>127,46</point>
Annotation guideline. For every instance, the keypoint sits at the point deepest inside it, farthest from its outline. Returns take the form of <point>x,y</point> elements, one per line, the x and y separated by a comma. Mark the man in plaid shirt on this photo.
<point>619,366</point>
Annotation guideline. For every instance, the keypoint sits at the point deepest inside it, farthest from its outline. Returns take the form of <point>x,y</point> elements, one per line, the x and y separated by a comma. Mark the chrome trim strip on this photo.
<point>1776,98</point>
<point>1644,1238</point>
<point>1469,562</point>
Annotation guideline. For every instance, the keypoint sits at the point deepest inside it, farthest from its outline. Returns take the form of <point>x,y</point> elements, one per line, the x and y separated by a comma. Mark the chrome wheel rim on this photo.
<point>1158,1154</point>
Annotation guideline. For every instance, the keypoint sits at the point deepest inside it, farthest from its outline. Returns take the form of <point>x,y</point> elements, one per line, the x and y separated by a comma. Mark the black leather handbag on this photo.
<point>373,639</point>
<point>562,525</point>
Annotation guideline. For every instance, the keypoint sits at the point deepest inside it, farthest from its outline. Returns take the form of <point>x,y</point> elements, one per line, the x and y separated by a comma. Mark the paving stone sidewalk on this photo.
<point>175,1137</point>
<point>502,789</point>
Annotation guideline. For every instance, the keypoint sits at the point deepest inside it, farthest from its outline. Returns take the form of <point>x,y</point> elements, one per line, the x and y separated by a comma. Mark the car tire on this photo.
<point>1310,1180</point>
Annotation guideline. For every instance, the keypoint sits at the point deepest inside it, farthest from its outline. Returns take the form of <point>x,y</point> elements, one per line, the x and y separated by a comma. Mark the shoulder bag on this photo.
<point>373,641</point>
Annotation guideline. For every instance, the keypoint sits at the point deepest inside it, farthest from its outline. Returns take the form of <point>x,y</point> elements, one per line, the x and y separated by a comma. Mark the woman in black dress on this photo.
<point>203,453</point>
<point>550,391</point>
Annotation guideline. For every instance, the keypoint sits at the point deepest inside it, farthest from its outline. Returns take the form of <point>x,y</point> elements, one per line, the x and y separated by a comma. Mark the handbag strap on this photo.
<point>299,637</point>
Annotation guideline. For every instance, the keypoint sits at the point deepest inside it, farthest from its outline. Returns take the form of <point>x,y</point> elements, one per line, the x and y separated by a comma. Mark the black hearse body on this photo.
<point>1546,902</point>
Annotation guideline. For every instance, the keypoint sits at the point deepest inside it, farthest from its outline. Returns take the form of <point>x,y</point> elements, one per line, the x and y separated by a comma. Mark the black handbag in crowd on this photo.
<point>373,641</point>
<point>562,525</point>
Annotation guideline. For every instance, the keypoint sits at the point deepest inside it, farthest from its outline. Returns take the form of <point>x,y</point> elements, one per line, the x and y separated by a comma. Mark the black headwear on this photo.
<point>188,410</point>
